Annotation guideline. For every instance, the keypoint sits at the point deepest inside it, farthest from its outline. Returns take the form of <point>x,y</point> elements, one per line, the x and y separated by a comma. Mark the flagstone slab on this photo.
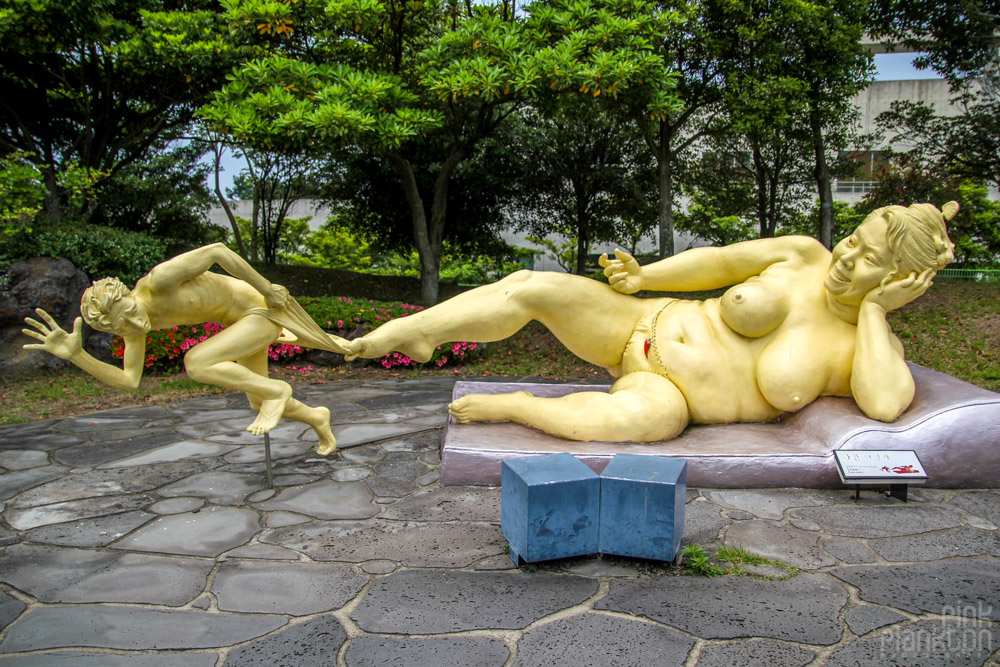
<point>315,642</point>
<point>177,505</point>
<point>804,609</point>
<point>46,439</point>
<point>702,522</point>
<point>423,602</point>
<point>264,552</point>
<point>91,423</point>
<point>352,435</point>
<point>848,550</point>
<point>104,448</point>
<point>772,503</point>
<point>119,481</point>
<point>928,643</point>
<point>411,543</point>
<point>396,478</point>
<point>369,454</point>
<point>867,617</point>
<point>983,503</point>
<point>78,659</point>
<point>885,521</point>
<point>578,639</point>
<point>23,459</point>
<point>95,532</point>
<point>13,483</point>
<point>179,451</point>
<point>10,609</point>
<point>785,543</point>
<point>448,503</point>
<point>754,652</point>
<point>937,587</point>
<point>75,510</point>
<point>64,575</point>
<point>226,488</point>
<point>408,396</point>
<point>933,546</point>
<point>372,651</point>
<point>255,453</point>
<point>298,589</point>
<point>133,628</point>
<point>207,532</point>
<point>325,500</point>
<point>428,441</point>
<point>350,474</point>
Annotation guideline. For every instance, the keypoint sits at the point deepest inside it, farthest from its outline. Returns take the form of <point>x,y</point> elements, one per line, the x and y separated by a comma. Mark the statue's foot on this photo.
<point>270,412</point>
<point>327,443</point>
<point>486,407</point>
<point>388,338</point>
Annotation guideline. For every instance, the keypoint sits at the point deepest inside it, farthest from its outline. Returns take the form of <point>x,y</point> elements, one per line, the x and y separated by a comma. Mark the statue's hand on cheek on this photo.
<point>898,293</point>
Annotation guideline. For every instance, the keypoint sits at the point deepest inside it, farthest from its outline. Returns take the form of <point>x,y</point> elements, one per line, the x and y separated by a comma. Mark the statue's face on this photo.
<point>860,262</point>
<point>128,317</point>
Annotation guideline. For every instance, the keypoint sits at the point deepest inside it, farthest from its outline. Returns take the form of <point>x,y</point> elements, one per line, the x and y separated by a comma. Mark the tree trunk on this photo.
<point>53,195</point>
<point>664,182</point>
<point>240,247</point>
<point>761,180</point>
<point>822,174</point>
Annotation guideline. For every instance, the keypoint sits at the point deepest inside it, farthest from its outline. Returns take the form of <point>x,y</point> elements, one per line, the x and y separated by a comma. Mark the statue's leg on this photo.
<point>318,418</point>
<point>214,361</point>
<point>641,407</point>
<point>588,317</point>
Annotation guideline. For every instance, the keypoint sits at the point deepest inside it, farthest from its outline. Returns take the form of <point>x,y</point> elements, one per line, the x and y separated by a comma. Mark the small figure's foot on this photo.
<point>270,412</point>
<point>327,443</point>
<point>388,338</point>
<point>486,407</point>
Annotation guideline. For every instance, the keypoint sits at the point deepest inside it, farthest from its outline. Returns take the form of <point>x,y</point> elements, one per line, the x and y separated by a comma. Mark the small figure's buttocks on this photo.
<point>754,308</point>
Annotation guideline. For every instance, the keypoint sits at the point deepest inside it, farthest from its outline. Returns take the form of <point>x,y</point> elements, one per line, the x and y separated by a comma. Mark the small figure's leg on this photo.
<point>214,361</point>
<point>592,320</point>
<point>641,407</point>
<point>318,418</point>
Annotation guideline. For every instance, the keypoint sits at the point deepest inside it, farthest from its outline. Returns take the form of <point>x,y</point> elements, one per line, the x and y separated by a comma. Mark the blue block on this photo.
<point>642,506</point>
<point>549,507</point>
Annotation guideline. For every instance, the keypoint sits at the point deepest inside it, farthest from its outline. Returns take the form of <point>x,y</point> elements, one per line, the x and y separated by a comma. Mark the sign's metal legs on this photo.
<point>267,459</point>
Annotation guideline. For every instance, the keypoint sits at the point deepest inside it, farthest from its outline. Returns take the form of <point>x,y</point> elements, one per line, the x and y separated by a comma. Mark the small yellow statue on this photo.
<point>183,291</point>
<point>797,323</point>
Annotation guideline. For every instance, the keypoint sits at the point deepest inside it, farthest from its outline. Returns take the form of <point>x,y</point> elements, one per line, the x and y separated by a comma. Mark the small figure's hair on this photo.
<point>918,238</point>
<point>95,306</point>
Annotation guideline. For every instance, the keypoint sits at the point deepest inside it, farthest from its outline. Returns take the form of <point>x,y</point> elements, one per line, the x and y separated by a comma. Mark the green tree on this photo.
<point>94,86</point>
<point>388,76</point>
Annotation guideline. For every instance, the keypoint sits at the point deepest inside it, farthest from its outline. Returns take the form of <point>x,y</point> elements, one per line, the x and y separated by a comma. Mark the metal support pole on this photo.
<point>267,459</point>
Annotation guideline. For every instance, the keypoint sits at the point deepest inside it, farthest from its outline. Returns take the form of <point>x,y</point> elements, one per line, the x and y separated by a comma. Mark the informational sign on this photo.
<point>870,466</point>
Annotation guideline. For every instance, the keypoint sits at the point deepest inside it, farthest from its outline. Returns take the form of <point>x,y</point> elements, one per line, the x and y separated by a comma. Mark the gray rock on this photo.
<point>23,459</point>
<point>74,510</point>
<point>44,438</point>
<point>802,609</point>
<point>754,652</point>
<point>866,617</point>
<point>208,532</point>
<point>363,454</point>
<point>702,522</point>
<point>10,609</point>
<point>578,639</point>
<point>786,543</point>
<point>177,505</point>
<point>772,503</point>
<point>369,651</point>
<point>429,478</point>
<point>133,628</point>
<point>101,423</point>
<point>738,515</point>
<point>379,566</point>
<point>350,474</point>
<point>178,451</point>
<point>78,659</point>
<point>293,480</point>
<point>396,479</point>
<point>935,587</point>
<point>985,504</point>
<point>96,532</point>
<point>325,500</point>
<point>264,552</point>
<point>884,521</point>
<point>429,441</point>
<point>410,543</point>
<point>113,447</point>
<point>930,643</point>
<point>449,503</point>
<point>61,575</point>
<point>13,483</point>
<point>285,588</point>
<point>254,453</point>
<point>261,496</point>
<point>315,642</point>
<point>225,488</point>
<point>848,550</point>
<point>406,397</point>
<point>115,482</point>
<point>933,546</point>
<point>422,602</point>
<point>282,519</point>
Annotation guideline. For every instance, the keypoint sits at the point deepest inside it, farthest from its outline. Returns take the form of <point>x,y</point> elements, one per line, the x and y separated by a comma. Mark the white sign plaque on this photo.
<point>868,466</point>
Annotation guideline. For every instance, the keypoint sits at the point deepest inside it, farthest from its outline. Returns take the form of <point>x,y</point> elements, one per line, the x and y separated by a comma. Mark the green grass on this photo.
<point>731,560</point>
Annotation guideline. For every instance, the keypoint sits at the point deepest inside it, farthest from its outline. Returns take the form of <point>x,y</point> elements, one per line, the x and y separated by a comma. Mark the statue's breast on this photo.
<point>754,308</point>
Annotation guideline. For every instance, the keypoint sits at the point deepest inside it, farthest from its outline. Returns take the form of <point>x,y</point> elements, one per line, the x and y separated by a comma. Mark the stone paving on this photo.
<point>146,536</point>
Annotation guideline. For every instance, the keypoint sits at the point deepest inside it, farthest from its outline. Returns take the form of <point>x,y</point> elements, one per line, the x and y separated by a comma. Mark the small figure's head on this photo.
<point>892,243</point>
<point>108,305</point>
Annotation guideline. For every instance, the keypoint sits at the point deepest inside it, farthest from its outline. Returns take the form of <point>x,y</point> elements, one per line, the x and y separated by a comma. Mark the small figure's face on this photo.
<point>860,262</point>
<point>128,317</point>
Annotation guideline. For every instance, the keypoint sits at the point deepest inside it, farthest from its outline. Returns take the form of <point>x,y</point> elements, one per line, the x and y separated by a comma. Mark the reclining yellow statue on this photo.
<point>797,323</point>
<point>182,291</point>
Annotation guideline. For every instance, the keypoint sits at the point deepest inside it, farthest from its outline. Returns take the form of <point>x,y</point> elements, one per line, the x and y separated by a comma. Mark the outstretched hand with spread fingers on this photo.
<point>55,339</point>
